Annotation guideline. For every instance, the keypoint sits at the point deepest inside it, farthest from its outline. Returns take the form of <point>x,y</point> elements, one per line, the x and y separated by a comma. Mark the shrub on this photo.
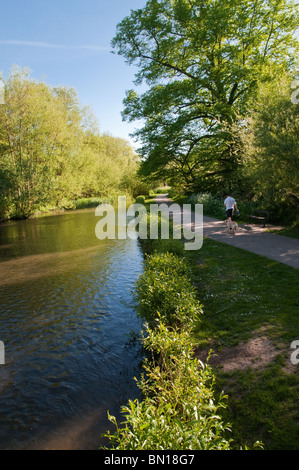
<point>162,190</point>
<point>151,193</point>
<point>179,410</point>
<point>85,203</point>
<point>140,200</point>
<point>165,291</point>
<point>212,205</point>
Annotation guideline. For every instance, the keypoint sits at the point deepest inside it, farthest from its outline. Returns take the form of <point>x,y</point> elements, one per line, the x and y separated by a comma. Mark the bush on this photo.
<point>139,187</point>
<point>162,190</point>
<point>86,203</point>
<point>165,291</point>
<point>179,410</point>
<point>212,205</point>
<point>140,200</point>
<point>151,193</point>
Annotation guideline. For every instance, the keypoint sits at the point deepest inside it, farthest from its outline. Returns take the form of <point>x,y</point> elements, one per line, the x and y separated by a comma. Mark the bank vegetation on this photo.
<point>52,154</point>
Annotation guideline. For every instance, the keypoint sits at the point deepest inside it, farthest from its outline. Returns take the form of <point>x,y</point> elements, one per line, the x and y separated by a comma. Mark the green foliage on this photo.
<point>212,205</point>
<point>140,200</point>
<point>86,203</point>
<point>162,190</point>
<point>52,153</point>
<point>114,169</point>
<point>179,410</point>
<point>165,291</point>
<point>151,193</point>
<point>203,61</point>
<point>273,148</point>
<point>170,246</point>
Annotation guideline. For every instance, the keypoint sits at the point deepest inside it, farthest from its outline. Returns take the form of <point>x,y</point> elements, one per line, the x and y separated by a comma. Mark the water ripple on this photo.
<point>66,315</point>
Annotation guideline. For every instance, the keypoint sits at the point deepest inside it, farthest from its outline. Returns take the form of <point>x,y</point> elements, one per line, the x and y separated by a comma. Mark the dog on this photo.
<point>231,227</point>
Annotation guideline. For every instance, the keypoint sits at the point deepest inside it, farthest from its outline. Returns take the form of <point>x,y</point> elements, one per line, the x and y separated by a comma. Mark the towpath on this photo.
<point>249,237</point>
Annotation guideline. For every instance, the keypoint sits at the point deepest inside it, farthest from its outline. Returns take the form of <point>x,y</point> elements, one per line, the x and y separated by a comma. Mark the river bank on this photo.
<point>78,204</point>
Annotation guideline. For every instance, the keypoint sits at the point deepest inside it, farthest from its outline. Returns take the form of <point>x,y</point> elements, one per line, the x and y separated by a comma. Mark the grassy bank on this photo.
<point>78,204</point>
<point>69,205</point>
<point>250,320</point>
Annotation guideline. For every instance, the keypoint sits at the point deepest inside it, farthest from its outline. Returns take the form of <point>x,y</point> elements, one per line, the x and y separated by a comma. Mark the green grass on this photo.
<point>263,405</point>
<point>292,232</point>
<point>242,293</point>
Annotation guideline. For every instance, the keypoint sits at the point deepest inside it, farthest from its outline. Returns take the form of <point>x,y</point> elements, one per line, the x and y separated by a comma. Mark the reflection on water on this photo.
<point>66,319</point>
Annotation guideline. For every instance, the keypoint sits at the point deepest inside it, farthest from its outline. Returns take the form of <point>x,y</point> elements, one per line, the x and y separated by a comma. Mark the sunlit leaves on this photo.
<point>51,151</point>
<point>273,149</point>
<point>202,61</point>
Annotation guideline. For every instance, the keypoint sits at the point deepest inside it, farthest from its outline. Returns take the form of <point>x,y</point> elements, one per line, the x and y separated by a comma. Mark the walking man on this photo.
<point>230,204</point>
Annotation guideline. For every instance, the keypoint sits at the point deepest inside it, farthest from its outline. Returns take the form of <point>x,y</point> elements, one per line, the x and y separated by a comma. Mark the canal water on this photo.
<point>69,330</point>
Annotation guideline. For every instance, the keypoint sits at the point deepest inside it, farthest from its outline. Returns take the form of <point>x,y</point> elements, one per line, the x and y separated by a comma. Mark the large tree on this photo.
<point>202,61</point>
<point>41,144</point>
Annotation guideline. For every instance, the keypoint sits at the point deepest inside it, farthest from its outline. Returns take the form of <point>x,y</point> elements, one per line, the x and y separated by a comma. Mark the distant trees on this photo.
<point>51,151</point>
<point>203,61</point>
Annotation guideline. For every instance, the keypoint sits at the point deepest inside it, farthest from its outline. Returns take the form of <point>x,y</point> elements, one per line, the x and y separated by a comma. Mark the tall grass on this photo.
<point>86,203</point>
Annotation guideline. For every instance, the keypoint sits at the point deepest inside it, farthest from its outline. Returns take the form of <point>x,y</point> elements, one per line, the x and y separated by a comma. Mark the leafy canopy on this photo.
<point>202,61</point>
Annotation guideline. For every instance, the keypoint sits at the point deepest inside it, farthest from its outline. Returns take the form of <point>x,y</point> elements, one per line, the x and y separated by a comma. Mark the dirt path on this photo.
<point>252,238</point>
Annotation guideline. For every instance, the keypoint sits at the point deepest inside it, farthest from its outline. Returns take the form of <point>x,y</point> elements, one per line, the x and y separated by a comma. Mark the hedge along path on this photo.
<point>251,238</point>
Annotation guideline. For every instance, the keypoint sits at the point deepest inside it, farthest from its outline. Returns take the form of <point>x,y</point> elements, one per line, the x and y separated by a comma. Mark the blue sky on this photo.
<point>67,43</point>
